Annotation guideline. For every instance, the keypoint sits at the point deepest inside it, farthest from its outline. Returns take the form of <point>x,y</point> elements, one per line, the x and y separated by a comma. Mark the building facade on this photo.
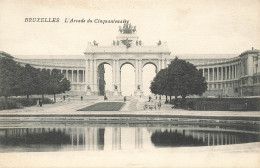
<point>230,77</point>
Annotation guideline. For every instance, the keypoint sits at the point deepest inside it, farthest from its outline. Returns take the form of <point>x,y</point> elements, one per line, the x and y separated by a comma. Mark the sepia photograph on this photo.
<point>129,83</point>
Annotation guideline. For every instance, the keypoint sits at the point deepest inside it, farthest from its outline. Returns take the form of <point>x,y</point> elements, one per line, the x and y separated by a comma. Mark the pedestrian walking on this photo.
<point>40,102</point>
<point>159,105</point>
<point>81,98</point>
<point>125,99</point>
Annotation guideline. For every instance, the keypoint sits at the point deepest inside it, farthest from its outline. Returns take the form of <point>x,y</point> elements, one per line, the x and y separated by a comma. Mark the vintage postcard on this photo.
<point>129,83</point>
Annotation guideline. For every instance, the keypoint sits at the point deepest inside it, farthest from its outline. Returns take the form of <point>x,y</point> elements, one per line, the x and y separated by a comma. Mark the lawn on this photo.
<point>104,106</point>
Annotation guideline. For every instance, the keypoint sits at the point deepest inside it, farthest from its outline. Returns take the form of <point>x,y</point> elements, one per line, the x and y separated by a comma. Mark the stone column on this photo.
<point>72,76</point>
<point>222,76</point>
<point>136,74</point>
<point>241,69</point>
<point>67,74</point>
<point>118,76</point>
<point>230,72</point>
<point>250,65</point>
<point>159,65</point>
<point>91,74</point>
<point>95,76</point>
<point>235,71</point>
<point>217,73</point>
<point>113,73</point>
<point>238,70</point>
<point>208,74</point>
<point>83,76</point>
<point>141,76</point>
<point>213,73</point>
<point>77,76</point>
<point>163,64</point>
<point>86,74</point>
<point>226,73</point>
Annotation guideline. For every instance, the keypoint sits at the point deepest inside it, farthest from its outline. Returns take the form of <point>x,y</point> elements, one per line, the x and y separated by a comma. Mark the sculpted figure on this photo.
<point>127,29</point>
<point>159,43</point>
<point>127,43</point>
<point>134,29</point>
<point>95,43</point>
<point>120,29</point>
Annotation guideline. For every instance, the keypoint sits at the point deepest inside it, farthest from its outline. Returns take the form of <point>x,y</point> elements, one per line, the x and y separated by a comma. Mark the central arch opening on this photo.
<point>105,79</point>
<point>127,79</point>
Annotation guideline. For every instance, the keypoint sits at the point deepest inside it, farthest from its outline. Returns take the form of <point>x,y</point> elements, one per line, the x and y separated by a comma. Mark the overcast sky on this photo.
<point>188,26</point>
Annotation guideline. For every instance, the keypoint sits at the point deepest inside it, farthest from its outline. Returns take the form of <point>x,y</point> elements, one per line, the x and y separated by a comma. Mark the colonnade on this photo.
<point>221,73</point>
<point>219,77</point>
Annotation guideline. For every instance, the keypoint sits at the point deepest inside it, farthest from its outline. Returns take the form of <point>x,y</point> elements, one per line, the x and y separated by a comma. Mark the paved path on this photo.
<point>134,105</point>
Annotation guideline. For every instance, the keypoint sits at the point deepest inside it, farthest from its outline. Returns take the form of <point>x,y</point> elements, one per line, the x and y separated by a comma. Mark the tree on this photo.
<point>159,85</point>
<point>10,78</point>
<point>30,80</point>
<point>43,82</point>
<point>57,83</point>
<point>181,78</point>
<point>185,79</point>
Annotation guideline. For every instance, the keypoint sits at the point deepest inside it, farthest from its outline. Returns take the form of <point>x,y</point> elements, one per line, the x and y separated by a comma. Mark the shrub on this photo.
<point>14,103</point>
<point>222,104</point>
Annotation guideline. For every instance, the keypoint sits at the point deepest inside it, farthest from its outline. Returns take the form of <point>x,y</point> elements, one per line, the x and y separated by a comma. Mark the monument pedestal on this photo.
<point>88,93</point>
<point>117,93</point>
<point>138,93</point>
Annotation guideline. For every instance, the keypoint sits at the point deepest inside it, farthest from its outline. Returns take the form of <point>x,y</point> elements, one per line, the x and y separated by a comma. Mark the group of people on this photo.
<point>62,99</point>
<point>155,104</point>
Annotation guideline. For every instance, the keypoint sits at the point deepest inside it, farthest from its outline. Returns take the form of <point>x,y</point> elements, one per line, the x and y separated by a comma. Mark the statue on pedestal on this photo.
<point>88,87</point>
<point>127,43</point>
<point>115,90</point>
<point>127,29</point>
<point>88,90</point>
<point>95,43</point>
<point>159,43</point>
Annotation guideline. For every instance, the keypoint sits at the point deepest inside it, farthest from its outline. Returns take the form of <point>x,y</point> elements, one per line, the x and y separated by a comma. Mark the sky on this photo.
<point>188,26</point>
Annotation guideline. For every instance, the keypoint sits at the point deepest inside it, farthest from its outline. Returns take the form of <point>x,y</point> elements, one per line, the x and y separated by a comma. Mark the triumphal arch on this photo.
<point>127,48</point>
